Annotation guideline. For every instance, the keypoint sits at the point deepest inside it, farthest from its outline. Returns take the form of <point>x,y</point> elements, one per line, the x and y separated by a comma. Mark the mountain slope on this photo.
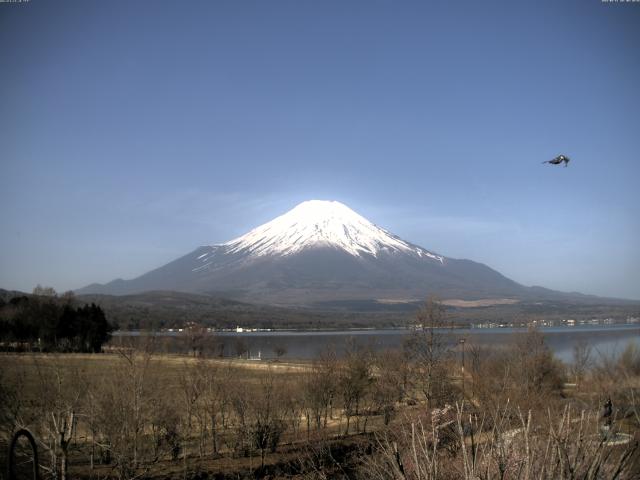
<point>319,251</point>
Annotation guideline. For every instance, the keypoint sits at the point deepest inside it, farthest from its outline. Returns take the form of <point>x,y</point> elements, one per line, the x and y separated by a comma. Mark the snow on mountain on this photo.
<point>321,223</point>
<point>319,251</point>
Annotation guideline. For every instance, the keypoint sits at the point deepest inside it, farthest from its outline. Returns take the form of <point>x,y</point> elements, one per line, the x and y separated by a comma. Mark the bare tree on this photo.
<point>216,399</point>
<point>355,379</point>
<point>240,403</point>
<point>14,407</point>
<point>192,386</point>
<point>428,350</point>
<point>164,423</point>
<point>195,337</point>
<point>506,447</point>
<point>391,382</point>
<point>582,360</point>
<point>41,291</point>
<point>268,414</point>
<point>535,373</point>
<point>319,388</point>
<point>59,394</point>
<point>122,409</point>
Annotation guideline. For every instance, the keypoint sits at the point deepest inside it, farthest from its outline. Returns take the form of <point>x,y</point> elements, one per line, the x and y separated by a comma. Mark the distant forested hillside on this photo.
<point>164,309</point>
<point>155,310</point>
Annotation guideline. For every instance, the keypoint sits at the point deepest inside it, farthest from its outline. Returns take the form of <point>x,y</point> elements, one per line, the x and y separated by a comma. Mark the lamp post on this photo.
<point>462,341</point>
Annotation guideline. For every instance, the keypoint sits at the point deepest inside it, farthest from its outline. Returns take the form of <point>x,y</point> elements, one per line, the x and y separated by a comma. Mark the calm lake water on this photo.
<point>604,339</point>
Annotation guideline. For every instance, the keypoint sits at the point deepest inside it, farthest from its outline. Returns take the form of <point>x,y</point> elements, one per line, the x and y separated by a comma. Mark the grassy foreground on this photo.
<point>513,413</point>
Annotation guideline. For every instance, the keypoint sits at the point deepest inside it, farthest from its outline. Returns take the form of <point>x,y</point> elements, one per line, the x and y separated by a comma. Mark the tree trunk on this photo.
<point>184,457</point>
<point>214,434</point>
<point>63,465</point>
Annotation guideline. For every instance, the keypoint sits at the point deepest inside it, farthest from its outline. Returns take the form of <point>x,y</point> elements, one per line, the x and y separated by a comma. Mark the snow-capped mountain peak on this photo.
<point>319,252</point>
<point>321,223</point>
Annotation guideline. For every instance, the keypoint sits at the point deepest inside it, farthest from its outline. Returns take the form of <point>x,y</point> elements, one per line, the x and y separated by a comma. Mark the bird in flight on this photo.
<point>558,160</point>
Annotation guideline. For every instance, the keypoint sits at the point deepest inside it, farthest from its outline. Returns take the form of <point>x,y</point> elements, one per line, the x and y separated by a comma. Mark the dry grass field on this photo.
<point>30,381</point>
<point>520,414</point>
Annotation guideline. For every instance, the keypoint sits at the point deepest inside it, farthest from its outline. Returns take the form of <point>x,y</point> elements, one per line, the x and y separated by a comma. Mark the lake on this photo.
<point>605,340</point>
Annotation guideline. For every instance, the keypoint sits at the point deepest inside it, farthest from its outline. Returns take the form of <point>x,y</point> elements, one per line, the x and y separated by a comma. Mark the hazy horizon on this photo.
<point>132,133</point>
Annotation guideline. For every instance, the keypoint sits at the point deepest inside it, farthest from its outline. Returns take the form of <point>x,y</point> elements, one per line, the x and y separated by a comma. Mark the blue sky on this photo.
<point>133,132</point>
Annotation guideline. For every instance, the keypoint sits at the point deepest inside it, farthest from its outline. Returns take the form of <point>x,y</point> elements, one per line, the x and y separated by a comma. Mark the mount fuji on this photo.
<point>320,251</point>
